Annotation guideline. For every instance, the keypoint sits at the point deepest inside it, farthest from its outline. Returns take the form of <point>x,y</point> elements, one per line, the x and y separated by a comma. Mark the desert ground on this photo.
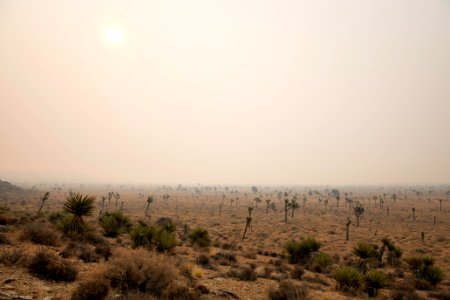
<point>415,218</point>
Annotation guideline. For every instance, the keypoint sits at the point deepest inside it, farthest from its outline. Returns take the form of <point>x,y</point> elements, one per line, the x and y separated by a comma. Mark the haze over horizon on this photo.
<point>225,92</point>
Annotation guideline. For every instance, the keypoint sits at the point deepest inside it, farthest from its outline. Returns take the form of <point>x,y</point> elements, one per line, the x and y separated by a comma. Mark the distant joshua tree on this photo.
<point>294,205</point>
<point>102,207</point>
<point>359,211</point>
<point>149,201</point>
<point>286,208</point>
<point>116,197</point>
<point>44,198</point>
<point>414,213</point>
<point>220,208</point>
<point>347,229</point>
<point>440,204</point>
<point>248,221</point>
<point>257,200</point>
<point>336,194</point>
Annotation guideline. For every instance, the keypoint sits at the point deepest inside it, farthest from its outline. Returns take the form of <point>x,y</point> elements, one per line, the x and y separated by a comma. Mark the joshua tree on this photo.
<point>257,200</point>
<point>249,221</point>
<point>336,194</point>
<point>44,198</point>
<point>326,203</point>
<point>149,201</point>
<point>359,211</point>
<point>110,195</point>
<point>117,197</point>
<point>304,201</point>
<point>220,208</point>
<point>394,197</point>
<point>434,220</point>
<point>102,207</point>
<point>286,208</point>
<point>440,204</point>
<point>294,205</point>
<point>79,206</point>
<point>414,213</point>
<point>347,228</point>
<point>267,205</point>
<point>254,189</point>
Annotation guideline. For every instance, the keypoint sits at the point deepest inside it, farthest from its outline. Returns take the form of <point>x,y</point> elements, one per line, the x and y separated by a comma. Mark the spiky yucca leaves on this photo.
<point>365,251</point>
<point>300,251</point>
<point>77,206</point>
<point>423,267</point>
<point>348,279</point>
<point>375,281</point>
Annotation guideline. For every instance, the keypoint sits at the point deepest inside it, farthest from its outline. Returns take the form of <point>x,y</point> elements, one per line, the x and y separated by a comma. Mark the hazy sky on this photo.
<point>232,91</point>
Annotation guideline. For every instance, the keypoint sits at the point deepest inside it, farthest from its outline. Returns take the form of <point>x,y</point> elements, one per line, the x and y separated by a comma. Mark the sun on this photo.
<point>115,35</point>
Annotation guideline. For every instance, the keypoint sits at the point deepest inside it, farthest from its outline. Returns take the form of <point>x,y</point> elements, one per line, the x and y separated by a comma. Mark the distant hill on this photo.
<point>8,187</point>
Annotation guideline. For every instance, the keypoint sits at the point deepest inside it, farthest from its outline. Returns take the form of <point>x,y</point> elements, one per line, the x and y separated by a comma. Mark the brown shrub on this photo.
<point>245,273</point>
<point>93,289</point>
<point>4,240</point>
<point>48,265</point>
<point>297,272</point>
<point>141,271</point>
<point>14,257</point>
<point>404,291</point>
<point>103,248</point>
<point>179,292</point>
<point>40,234</point>
<point>8,220</point>
<point>87,254</point>
<point>288,291</point>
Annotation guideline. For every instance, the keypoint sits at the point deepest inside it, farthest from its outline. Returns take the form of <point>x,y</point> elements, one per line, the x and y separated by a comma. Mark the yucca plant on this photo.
<point>423,267</point>
<point>300,251</point>
<point>320,262</point>
<point>376,280</point>
<point>115,223</point>
<point>348,279</point>
<point>77,207</point>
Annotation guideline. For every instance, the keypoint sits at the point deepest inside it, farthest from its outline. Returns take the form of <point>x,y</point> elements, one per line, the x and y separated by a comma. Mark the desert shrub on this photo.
<point>300,251</point>
<point>365,250</point>
<point>404,291</point>
<point>288,291</point>
<point>297,272</point>
<point>225,258</point>
<point>70,250</point>
<point>103,249</point>
<point>164,240</point>
<point>40,234</point>
<point>87,254</point>
<point>4,240</point>
<point>166,223</point>
<point>376,280</point>
<point>76,207</point>
<point>50,266</point>
<point>8,220</point>
<point>180,292</point>
<point>203,260</point>
<point>348,279</point>
<point>114,223</point>
<point>141,271</point>
<point>15,257</point>
<point>440,295</point>
<point>93,289</point>
<point>142,235</point>
<point>200,237</point>
<point>56,216</point>
<point>320,262</point>
<point>423,268</point>
<point>245,273</point>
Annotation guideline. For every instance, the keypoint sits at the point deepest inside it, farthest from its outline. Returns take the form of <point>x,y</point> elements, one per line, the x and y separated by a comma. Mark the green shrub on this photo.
<point>365,251</point>
<point>114,223</point>
<point>320,262</point>
<point>376,280</point>
<point>200,237</point>
<point>348,279</point>
<point>164,240</point>
<point>300,251</point>
<point>423,268</point>
<point>142,235</point>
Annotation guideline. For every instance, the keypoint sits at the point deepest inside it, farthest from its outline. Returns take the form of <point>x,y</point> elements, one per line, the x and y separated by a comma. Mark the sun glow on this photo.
<point>115,35</point>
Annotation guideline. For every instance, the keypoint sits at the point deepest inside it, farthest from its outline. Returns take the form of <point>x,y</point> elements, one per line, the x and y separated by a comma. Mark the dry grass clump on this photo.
<point>95,289</point>
<point>288,291</point>
<point>246,273</point>
<point>141,271</point>
<point>4,240</point>
<point>40,233</point>
<point>14,257</point>
<point>8,220</point>
<point>48,265</point>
